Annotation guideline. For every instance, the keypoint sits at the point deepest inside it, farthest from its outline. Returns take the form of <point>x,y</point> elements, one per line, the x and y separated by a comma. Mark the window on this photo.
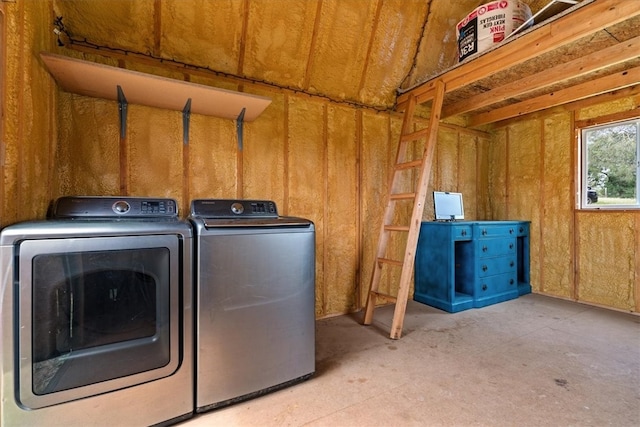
<point>610,162</point>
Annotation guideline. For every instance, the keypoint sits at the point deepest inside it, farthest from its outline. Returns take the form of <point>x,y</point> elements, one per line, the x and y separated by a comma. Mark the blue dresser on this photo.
<point>471,264</point>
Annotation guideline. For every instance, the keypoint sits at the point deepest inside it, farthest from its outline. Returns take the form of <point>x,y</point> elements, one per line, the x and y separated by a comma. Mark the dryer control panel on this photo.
<point>113,207</point>
<point>232,208</point>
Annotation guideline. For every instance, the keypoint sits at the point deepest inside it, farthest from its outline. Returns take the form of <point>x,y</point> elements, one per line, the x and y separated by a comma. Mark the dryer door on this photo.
<point>95,315</point>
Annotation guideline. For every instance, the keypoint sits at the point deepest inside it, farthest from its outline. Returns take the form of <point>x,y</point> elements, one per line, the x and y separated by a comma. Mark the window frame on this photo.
<point>581,196</point>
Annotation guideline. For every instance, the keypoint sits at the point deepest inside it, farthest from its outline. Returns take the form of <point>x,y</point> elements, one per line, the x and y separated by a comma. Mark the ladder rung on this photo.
<point>396,227</point>
<point>385,296</point>
<point>409,165</point>
<point>422,133</point>
<point>390,262</point>
<point>402,196</point>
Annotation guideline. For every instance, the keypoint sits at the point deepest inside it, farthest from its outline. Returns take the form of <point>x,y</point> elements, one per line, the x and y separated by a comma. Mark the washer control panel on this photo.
<point>230,208</point>
<point>113,207</point>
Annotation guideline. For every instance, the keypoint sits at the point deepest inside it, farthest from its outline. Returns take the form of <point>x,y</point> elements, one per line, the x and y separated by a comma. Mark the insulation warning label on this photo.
<point>489,24</point>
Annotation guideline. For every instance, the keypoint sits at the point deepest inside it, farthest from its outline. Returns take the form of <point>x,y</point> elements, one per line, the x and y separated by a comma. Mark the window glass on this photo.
<point>609,166</point>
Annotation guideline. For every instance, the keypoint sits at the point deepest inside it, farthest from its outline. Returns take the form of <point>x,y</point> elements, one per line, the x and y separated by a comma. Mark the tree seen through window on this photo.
<point>610,165</point>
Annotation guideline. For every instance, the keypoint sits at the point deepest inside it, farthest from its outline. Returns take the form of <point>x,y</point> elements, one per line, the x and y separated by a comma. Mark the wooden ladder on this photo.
<point>429,135</point>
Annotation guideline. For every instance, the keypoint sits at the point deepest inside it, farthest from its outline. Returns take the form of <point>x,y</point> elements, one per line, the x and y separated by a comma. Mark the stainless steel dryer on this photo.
<point>97,320</point>
<point>255,285</point>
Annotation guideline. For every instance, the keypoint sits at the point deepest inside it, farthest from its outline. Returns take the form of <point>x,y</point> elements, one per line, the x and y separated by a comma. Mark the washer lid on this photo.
<point>113,207</point>
<point>264,223</point>
<point>233,208</point>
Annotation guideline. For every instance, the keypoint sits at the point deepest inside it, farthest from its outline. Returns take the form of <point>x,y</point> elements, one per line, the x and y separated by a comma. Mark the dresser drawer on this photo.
<point>490,287</point>
<point>488,231</point>
<point>498,265</point>
<point>496,247</point>
<point>522,229</point>
<point>461,232</point>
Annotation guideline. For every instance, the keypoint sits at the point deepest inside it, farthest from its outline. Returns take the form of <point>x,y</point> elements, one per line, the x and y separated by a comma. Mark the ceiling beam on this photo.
<point>609,118</point>
<point>595,61</point>
<point>632,92</point>
<point>573,93</point>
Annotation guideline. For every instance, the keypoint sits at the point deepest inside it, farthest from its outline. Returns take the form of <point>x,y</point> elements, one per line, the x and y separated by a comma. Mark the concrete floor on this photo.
<point>533,361</point>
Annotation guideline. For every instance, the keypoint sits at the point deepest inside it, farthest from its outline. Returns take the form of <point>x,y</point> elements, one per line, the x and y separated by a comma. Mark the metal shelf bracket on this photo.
<point>239,126</point>
<point>186,116</point>
<point>122,108</point>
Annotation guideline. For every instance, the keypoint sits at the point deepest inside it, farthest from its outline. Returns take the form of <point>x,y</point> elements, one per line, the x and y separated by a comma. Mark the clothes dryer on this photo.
<point>97,321</point>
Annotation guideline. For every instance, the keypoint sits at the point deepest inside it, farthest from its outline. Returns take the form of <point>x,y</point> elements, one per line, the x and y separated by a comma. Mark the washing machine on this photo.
<point>255,286</point>
<point>97,320</point>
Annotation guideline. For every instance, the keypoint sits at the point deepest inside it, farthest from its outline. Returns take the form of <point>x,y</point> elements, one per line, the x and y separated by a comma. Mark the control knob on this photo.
<point>121,207</point>
<point>237,208</point>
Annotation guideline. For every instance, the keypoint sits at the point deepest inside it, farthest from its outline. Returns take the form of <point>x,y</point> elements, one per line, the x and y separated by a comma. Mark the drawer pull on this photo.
<point>511,282</point>
<point>510,245</point>
<point>521,229</point>
<point>511,231</point>
<point>484,231</point>
<point>485,268</point>
<point>484,287</point>
<point>484,248</point>
<point>511,264</point>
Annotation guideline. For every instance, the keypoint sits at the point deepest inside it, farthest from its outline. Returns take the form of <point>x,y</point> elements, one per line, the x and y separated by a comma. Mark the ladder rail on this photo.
<point>419,195</point>
<point>416,216</point>
<point>383,236</point>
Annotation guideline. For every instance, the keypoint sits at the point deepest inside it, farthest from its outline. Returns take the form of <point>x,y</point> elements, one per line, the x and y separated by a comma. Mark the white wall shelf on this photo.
<point>101,81</point>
